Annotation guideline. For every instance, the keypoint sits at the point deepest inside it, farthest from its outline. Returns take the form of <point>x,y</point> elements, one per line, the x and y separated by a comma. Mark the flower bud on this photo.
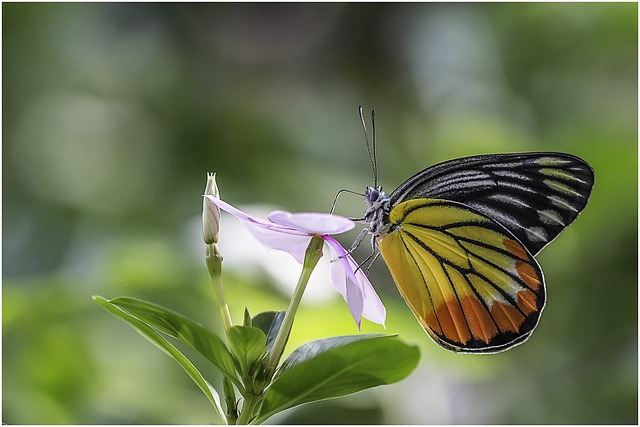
<point>210,212</point>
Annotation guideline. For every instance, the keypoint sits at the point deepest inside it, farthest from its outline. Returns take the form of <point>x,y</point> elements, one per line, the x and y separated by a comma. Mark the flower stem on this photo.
<point>311,257</point>
<point>214,264</point>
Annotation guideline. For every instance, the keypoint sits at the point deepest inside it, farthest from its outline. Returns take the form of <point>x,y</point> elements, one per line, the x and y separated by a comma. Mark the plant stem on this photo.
<point>311,257</point>
<point>214,264</point>
<point>249,408</point>
<point>230,400</point>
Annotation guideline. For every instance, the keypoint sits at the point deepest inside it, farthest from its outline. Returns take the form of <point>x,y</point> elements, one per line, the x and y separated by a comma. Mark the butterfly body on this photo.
<point>460,238</point>
<point>377,213</point>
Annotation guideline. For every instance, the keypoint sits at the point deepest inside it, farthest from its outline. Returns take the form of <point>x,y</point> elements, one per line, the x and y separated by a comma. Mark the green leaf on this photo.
<point>338,366</point>
<point>247,318</point>
<point>154,337</point>
<point>248,344</point>
<point>269,322</point>
<point>186,330</point>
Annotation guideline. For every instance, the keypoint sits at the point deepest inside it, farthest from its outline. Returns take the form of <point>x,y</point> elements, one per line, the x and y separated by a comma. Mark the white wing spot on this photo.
<point>510,200</point>
<point>562,203</point>
<point>516,186</point>
<point>562,174</point>
<point>536,234</point>
<point>511,174</point>
<point>552,161</point>
<point>550,217</point>
<point>502,217</point>
<point>561,188</point>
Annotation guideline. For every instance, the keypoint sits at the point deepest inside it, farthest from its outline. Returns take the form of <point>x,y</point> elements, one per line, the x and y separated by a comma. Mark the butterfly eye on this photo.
<point>372,194</point>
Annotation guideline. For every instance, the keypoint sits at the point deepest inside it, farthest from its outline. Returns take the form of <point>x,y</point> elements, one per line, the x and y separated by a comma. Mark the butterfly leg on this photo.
<point>375,253</point>
<point>358,241</point>
<point>370,259</point>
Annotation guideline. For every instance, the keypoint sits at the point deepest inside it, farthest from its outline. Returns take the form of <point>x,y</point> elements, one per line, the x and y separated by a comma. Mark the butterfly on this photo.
<point>460,237</point>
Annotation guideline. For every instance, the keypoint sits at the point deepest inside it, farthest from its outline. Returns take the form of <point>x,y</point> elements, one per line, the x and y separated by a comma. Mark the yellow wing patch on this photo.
<point>469,282</point>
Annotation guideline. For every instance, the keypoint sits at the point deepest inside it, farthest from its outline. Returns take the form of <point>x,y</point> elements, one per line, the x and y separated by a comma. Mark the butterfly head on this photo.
<point>377,213</point>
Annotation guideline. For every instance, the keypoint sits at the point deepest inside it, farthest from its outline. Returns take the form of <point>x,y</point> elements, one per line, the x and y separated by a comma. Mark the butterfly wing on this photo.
<point>533,195</point>
<point>470,283</point>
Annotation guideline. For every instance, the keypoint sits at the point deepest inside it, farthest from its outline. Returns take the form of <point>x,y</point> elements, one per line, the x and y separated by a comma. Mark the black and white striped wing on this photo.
<point>534,195</point>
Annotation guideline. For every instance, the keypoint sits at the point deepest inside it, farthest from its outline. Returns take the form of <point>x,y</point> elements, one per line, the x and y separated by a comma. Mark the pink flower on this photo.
<point>292,232</point>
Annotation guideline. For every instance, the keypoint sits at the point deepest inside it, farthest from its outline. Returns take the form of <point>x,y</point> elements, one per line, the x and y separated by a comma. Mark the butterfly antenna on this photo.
<point>375,159</point>
<point>370,149</point>
<point>344,190</point>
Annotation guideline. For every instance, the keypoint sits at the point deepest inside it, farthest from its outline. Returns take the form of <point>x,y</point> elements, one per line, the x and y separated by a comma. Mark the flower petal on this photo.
<point>355,288</point>
<point>248,218</point>
<point>295,244</point>
<point>372,309</point>
<point>271,235</point>
<point>312,222</point>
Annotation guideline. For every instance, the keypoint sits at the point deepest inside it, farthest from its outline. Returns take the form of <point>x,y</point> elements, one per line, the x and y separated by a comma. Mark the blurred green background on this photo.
<point>113,114</point>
